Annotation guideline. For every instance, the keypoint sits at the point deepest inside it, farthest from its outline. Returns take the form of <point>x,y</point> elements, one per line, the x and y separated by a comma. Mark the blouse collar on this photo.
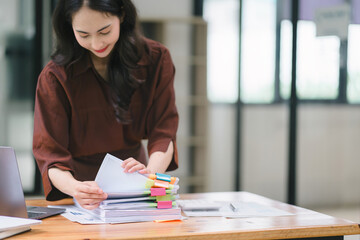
<point>84,63</point>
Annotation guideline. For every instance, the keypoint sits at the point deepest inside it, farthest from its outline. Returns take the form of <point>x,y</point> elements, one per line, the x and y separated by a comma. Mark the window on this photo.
<point>223,49</point>
<point>265,25</point>
<point>258,51</point>
<point>353,87</point>
<point>317,62</point>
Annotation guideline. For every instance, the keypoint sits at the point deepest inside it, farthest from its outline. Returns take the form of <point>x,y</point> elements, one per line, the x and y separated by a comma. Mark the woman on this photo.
<point>105,89</point>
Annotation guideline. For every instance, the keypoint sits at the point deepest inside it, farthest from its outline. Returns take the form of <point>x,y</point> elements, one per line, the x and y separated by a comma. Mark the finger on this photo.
<point>94,186</point>
<point>85,191</point>
<point>136,168</point>
<point>144,171</point>
<point>87,201</point>
<point>125,162</point>
<point>129,165</point>
<point>90,206</point>
<point>91,184</point>
<point>89,188</point>
<point>93,197</point>
<point>90,203</point>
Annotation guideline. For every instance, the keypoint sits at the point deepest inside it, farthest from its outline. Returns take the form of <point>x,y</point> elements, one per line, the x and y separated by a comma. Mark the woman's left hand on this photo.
<point>132,165</point>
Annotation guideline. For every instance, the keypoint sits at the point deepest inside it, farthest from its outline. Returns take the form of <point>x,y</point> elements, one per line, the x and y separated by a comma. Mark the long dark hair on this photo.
<point>124,57</point>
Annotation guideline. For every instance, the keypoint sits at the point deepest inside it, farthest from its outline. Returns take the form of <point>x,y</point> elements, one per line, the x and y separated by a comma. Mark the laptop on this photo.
<point>12,200</point>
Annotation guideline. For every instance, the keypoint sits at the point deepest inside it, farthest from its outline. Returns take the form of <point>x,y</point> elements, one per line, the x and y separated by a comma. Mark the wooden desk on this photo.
<point>305,224</point>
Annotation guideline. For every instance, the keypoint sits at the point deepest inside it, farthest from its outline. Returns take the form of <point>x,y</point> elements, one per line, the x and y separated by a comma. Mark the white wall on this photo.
<point>329,155</point>
<point>164,8</point>
<point>221,148</point>
<point>264,150</point>
<point>328,152</point>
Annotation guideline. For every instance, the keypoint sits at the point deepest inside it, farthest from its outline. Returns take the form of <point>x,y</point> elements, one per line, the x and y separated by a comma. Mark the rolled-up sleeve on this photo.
<point>51,128</point>
<point>162,122</point>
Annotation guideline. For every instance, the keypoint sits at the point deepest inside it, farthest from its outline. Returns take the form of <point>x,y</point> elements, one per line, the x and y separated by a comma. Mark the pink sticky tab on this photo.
<point>164,204</point>
<point>157,191</point>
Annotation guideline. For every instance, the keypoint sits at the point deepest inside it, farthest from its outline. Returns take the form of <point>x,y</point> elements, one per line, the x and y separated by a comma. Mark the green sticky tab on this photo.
<point>149,183</point>
<point>164,198</point>
<point>154,204</point>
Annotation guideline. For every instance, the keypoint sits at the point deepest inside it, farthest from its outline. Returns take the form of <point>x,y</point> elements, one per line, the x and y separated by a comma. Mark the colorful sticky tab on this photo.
<point>161,184</point>
<point>164,204</point>
<point>173,180</point>
<point>149,183</point>
<point>163,177</point>
<point>152,176</point>
<point>167,197</point>
<point>161,221</point>
<point>157,191</point>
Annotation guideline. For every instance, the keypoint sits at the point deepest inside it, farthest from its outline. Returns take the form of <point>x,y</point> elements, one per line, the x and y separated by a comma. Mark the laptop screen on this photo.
<point>12,201</point>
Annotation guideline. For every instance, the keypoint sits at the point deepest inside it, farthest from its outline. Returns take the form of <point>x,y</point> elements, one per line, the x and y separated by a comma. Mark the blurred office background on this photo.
<point>247,113</point>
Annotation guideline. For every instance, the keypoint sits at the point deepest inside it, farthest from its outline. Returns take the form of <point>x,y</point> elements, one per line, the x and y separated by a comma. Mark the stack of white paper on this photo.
<point>133,197</point>
<point>10,226</point>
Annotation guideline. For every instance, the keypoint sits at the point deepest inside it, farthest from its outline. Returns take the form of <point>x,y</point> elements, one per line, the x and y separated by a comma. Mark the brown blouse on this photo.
<point>75,124</point>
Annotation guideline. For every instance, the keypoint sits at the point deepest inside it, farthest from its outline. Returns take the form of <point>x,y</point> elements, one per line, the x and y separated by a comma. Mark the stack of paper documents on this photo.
<point>10,226</point>
<point>134,197</point>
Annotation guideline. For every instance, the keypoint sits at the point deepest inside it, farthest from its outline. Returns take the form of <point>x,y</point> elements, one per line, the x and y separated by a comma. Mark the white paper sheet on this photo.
<point>7,223</point>
<point>244,210</point>
<point>252,209</point>
<point>111,175</point>
<point>75,214</point>
<point>81,216</point>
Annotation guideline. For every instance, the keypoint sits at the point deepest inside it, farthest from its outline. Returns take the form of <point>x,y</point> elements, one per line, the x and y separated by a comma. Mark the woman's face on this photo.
<point>96,31</point>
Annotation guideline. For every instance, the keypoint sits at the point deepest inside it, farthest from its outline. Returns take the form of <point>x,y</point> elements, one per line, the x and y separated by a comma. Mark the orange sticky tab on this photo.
<point>164,204</point>
<point>158,191</point>
<point>175,220</point>
<point>161,184</point>
<point>173,180</point>
<point>152,176</point>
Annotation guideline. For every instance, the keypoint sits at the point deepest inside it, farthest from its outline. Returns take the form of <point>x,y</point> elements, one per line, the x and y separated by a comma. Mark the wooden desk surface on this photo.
<point>304,224</point>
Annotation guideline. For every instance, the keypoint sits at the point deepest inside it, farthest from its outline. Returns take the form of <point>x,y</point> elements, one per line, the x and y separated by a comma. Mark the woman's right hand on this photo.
<point>88,194</point>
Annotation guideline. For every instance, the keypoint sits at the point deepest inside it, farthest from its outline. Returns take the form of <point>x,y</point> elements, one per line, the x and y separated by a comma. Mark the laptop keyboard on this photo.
<point>34,215</point>
<point>42,212</point>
